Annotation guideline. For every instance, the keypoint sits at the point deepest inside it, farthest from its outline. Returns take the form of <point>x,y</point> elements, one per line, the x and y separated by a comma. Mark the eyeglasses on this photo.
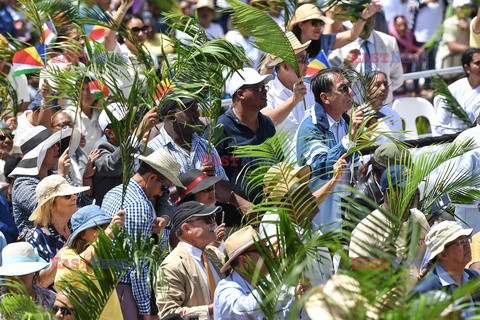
<point>208,219</point>
<point>256,87</point>
<point>461,242</point>
<point>62,125</point>
<point>64,311</point>
<point>165,187</point>
<point>4,137</point>
<point>303,59</point>
<point>316,22</point>
<point>209,189</point>
<point>144,29</point>
<point>344,88</point>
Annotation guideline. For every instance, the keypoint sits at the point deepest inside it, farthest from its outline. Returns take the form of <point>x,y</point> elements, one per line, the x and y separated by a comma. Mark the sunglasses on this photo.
<point>257,88</point>
<point>316,22</point>
<point>4,137</point>
<point>344,88</point>
<point>303,59</point>
<point>165,187</point>
<point>461,242</point>
<point>144,29</point>
<point>64,311</point>
<point>68,196</point>
<point>208,219</point>
<point>62,125</point>
<point>209,189</point>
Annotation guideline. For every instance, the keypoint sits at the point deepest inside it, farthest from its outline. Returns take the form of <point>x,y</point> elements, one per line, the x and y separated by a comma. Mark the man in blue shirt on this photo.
<point>156,173</point>
<point>243,124</point>
<point>325,135</point>
<point>450,250</point>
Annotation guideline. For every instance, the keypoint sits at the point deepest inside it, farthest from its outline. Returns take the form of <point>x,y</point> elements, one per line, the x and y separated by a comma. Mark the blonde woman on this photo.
<point>85,224</point>
<point>57,202</point>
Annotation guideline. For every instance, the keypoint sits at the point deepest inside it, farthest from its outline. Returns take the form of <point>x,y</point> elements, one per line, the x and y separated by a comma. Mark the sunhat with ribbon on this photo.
<point>296,46</point>
<point>194,181</point>
<point>238,242</point>
<point>164,163</point>
<point>20,258</point>
<point>305,12</point>
<point>35,144</point>
<point>443,233</point>
<point>86,218</point>
<point>51,187</point>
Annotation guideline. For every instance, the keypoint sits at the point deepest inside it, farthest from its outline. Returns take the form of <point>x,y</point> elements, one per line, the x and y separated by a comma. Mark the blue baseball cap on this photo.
<point>398,177</point>
<point>85,218</point>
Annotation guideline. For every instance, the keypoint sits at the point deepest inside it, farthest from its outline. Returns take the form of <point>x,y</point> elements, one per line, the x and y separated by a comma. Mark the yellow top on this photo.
<point>474,37</point>
<point>70,261</point>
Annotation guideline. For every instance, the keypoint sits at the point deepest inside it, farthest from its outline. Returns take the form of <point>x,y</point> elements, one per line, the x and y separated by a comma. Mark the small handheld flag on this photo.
<point>49,33</point>
<point>98,89</point>
<point>162,89</point>
<point>29,60</point>
<point>317,64</point>
<point>95,32</point>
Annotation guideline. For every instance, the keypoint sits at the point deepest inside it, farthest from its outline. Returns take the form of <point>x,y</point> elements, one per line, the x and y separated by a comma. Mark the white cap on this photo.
<point>460,3</point>
<point>246,76</point>
<point>119,112</point>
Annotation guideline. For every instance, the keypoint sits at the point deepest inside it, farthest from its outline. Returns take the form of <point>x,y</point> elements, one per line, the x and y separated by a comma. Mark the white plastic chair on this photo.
<point>409,109</point>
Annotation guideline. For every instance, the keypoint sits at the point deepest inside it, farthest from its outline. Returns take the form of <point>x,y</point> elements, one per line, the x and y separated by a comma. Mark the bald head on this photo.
<point>60,120</point>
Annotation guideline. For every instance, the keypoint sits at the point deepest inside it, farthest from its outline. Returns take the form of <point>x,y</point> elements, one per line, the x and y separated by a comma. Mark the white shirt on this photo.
<point>197,257</point>
<point>214,31</point>
<point>23,126</point>
<point>88,127</point>
<point>391,123</point>
<point>429,19</point>
<point>20,85</point>
<point>469,100</point>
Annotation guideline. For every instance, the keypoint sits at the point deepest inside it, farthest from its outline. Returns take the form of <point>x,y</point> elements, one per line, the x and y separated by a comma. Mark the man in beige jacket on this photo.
<point>189,274</point>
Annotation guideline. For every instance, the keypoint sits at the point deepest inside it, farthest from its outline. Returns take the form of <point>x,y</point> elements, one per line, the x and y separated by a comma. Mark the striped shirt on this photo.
<point>139,220</point>
<point>198,153</point>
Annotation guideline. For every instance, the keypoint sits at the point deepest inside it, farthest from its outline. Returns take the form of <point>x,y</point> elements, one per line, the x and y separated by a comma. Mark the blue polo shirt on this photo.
<point>237,133</point>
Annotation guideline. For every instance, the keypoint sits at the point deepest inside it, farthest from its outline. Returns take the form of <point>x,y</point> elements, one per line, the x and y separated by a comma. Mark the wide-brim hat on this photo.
<point>118,110</point>
<point>238,242</point>
<point>189,209</point>
<point>20,258</point>
<point>246,76</point>
<point>32,160</point>
<point>164,163</point>
<point>280,179</point>
<point>443,233</point>
<point>195,181</point>
<point>305,12</point>
<point>296,46</point>
<point>85,218</point>
<point>204,4</point>
<point>50,187</point>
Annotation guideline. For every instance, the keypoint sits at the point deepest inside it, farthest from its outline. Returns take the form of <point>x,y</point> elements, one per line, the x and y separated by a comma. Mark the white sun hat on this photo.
<point>20,258</point>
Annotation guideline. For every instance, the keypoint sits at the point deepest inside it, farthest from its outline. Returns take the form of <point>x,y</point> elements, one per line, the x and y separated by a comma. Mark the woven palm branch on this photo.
<point>451,104</point>
<point>269,37</point>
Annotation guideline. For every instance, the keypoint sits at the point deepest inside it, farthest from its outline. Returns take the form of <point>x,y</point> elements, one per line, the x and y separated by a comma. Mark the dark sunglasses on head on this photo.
<point>144,29</point>
<point>255,87</point>
<point>64,311</point>
<point>4,137</point>
<point>316,22</point>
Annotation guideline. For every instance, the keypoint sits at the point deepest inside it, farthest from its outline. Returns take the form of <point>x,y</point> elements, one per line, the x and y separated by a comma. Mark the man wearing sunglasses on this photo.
<point>156,173</point>
<point>191,271</point>
<point>449,245</point>
<point>287,91</point>
<point>325,135</point>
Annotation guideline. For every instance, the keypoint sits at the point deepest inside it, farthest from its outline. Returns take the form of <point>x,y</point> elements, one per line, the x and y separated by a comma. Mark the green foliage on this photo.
<point>17,304</point>
<point>451,104</point>
<point>269,37</point>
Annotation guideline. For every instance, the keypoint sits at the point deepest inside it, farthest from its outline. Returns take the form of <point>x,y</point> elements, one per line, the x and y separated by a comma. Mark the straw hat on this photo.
<point>35,144</point>
<point>195,181</point>
<point>20,258</point>
<point>443,233</point>
<point>306,12</point>
<point>296,46</point>
<point>86,218</point>
<point>51,187</point>
<point>281,178</point>
<point>337,299</point>
<point>239,242</point>
<point>164,163</point>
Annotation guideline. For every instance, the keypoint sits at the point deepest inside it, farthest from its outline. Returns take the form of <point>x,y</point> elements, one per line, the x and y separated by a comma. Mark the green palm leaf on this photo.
<point>269,37</point>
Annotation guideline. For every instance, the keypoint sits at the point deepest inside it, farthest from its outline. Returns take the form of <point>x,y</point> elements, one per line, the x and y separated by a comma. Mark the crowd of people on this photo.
<point>219,215</point>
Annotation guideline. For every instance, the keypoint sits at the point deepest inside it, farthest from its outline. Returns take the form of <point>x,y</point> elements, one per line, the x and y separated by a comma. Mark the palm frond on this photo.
<point>451,104</point>
<point>268,36</point>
